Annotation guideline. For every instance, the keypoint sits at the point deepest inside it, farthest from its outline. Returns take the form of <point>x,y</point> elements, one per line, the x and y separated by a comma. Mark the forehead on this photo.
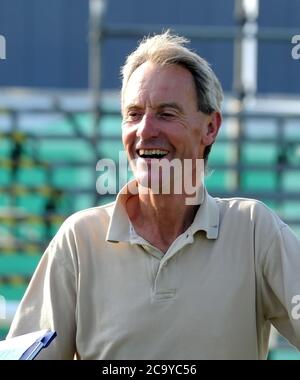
<point>155,83</point>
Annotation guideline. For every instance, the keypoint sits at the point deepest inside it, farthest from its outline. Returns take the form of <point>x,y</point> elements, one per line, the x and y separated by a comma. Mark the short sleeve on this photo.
<point>50,299</point>
<point>281,284</point>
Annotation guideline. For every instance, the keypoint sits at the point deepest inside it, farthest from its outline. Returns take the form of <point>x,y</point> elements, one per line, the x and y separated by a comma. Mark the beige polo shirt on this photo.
<point>109,294</point>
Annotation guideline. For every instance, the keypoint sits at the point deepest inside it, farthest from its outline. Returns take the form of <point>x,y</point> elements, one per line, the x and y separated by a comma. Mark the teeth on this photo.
<point>150,152</point>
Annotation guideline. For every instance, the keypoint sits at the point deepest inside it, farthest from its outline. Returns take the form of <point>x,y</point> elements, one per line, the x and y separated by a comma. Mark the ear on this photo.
<point>214,122</point>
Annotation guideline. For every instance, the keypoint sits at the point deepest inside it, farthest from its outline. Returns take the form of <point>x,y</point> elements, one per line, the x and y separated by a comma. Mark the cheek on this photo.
<point>196,144</point>
<point>197,131</point>
<point>197,135</point>
<point>127,137</point>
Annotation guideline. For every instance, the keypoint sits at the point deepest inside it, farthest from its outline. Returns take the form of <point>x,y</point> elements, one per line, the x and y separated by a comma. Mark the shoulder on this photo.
<point>250,223</point>
<point>79,229</point>
<point>251,208</point>
<point>249,213</point>
<point>88,221</point>
<point>99,214</point>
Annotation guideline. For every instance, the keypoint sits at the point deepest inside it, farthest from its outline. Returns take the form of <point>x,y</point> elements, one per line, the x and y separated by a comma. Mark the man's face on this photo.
<point>161,119</point>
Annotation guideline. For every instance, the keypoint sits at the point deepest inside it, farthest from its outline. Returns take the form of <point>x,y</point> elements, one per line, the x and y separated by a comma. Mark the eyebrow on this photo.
<point>159,106</point>
<point>171,105</point>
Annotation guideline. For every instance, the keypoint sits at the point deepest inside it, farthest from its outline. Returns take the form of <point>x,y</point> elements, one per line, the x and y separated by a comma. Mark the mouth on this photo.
<point>152,153</point>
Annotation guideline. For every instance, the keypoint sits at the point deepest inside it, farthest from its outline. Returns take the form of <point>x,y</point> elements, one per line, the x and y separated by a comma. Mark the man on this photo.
<point>153,275</point>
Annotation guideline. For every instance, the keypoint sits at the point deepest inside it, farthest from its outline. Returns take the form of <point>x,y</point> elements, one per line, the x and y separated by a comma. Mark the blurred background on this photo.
<point>59,112</point>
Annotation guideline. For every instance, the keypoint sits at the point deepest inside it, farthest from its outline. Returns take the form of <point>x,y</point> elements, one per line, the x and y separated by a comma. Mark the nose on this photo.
<point>147,127</point>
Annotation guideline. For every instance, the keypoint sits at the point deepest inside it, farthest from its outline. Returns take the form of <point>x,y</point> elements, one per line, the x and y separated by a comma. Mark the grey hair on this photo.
<point>166,49</point>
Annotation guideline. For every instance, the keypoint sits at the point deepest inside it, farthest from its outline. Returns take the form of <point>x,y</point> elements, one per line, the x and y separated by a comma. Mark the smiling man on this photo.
<point>162,121</point>
<point>152,276</point>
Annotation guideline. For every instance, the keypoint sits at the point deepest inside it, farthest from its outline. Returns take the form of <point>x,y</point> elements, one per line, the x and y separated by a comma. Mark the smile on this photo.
<point>152,153</point>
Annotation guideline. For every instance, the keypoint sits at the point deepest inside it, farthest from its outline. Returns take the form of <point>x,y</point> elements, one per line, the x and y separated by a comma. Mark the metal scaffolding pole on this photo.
<point>96,14</point>
<point>245,64</point>
<point>245,70</point>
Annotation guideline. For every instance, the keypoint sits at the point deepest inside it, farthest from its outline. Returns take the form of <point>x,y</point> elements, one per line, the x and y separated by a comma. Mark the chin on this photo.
<point>155,184</point>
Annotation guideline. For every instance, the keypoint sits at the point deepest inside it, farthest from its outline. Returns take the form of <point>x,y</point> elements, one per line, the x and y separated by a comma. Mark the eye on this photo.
<point>133,116</point>
<point>166,115</point>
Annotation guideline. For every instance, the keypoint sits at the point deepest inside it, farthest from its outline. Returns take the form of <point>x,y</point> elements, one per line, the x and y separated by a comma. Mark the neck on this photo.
<point>166,216</point>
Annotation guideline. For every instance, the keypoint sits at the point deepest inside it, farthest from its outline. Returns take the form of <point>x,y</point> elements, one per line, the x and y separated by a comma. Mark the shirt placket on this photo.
<point>164,268</point>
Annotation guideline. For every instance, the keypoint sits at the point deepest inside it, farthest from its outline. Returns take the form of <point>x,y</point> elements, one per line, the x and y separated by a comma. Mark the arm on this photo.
<point>50,299</point>
<point>281,284</point>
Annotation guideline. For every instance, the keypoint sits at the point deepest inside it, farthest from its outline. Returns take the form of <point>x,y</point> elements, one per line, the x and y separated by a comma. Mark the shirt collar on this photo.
<point>206,219</point>
<point>119,226</point>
